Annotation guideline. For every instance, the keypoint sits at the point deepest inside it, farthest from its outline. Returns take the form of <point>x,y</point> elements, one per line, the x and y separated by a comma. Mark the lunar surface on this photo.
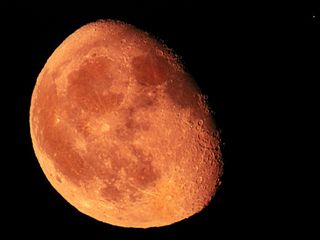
<point>121,131</point>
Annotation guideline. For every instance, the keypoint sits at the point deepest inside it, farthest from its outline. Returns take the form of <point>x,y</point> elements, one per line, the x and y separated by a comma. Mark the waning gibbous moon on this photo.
<point>121,131</point>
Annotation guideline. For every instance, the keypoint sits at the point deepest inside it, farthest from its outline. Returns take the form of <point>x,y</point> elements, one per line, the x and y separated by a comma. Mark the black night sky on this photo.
<point>255,63</point>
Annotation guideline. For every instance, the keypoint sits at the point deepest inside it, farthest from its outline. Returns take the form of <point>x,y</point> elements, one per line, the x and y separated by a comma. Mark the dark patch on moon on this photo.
<point>182,91</point>
<point>88,87</point>
<point>89,90</point>
<point>52,138</point>
<point>111,193</point>
<point>131,127</point>
<point>86,91</point>
<point>151,69</point>
<point>143,173</point>
<point>147,98</point>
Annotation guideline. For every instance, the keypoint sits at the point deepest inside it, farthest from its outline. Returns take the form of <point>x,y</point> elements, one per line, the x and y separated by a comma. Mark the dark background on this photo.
<point>255,63</point>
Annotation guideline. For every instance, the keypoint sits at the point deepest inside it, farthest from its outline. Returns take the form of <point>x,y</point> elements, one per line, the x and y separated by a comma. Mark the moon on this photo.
<point>122,131</point>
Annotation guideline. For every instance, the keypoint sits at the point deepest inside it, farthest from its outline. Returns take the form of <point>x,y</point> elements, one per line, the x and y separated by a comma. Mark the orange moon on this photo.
<point>121,130</point>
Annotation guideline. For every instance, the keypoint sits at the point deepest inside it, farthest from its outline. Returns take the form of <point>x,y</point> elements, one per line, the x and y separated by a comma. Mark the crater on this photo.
<point>84,49</point>
<point>58,179</point>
